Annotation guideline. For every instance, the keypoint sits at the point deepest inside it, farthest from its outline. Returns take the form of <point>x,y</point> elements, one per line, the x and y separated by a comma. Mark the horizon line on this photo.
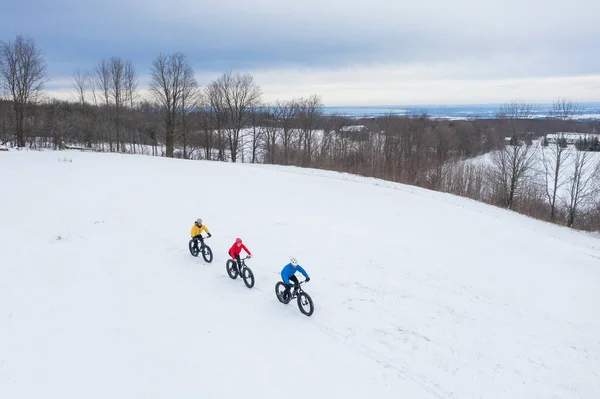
<point>454,104</point>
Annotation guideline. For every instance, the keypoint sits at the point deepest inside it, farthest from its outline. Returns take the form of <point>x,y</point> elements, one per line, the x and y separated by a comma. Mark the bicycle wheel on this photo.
<point>231,269</point>
<point>193,251</point>
<point>305,304</point>
<point>207,253</point>
<point>279,290</point>
<point>248,277</point>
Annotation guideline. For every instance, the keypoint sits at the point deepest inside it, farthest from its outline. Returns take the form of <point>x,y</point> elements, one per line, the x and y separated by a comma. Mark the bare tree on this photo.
<point>514,111</point>
<point>270,134</point>
<point>117,91</point>
<point>130,87</point>
<point>565,110</point>
<point>22,75</point>
<point>213,97</point>
<point>583,184</point>
<point>509,170</point>
<point>167,85</point>
<point>81,85</point>
<point>189,100</point>
<point>131,84</point>
<point>102,80</point>
<point>512,164</point>
<point>101,76</point>
<point>441,143</point>
<point>238,94</point>
<point>92,86</point>
<point>55,124</point>
<point>553,157</point>
<point>310,113</point>
<point>415,147</point>
<point>258,131</point>
<point>391,147</point>
<point>554,154</point>
<point>286,113</point>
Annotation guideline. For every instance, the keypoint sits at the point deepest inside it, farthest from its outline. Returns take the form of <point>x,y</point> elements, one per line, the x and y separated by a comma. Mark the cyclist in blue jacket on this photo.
<point>287,274</point>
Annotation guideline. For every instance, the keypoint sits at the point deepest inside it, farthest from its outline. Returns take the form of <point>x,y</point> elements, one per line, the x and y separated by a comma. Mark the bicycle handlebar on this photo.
<point>241,258</point>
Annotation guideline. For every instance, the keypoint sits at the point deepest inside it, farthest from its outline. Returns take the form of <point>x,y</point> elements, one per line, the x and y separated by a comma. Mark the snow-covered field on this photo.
<point>417,294</point>
<point>541,170</point>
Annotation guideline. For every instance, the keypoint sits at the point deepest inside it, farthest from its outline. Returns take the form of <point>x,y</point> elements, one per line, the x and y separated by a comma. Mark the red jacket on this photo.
<point>235,250</point>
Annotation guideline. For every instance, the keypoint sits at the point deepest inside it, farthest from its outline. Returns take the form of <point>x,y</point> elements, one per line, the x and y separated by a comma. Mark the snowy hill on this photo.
<point>417,294</point>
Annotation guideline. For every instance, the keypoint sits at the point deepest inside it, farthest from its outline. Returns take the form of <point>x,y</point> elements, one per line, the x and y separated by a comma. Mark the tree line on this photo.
<point>228,120</point>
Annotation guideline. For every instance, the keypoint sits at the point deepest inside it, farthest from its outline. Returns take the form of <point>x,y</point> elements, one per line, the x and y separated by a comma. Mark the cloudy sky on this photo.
<point>370,52</point>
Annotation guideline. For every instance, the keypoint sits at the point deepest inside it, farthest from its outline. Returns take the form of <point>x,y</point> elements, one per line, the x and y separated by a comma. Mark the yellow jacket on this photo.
<point>196,231</point>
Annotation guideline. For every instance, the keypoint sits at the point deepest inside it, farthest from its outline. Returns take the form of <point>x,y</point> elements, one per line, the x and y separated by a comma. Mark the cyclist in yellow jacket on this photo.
<point>196,232</point>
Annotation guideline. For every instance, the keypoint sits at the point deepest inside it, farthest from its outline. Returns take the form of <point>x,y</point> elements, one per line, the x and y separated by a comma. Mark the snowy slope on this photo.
<point>418,294</point>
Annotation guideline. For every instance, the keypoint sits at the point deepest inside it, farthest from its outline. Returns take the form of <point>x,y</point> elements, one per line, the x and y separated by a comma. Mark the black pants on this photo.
<point>294,280</point>
<point>196,241</point>
<point>238,259</point>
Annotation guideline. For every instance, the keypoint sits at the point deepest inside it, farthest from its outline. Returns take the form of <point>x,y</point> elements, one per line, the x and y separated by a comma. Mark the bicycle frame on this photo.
<point>296,290</point>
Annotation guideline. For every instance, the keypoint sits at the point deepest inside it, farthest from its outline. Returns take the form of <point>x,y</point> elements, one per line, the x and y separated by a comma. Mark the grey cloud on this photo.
<point>487,40</point>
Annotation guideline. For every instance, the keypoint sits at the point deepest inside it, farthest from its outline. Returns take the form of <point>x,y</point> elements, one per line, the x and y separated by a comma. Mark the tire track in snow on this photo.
<point>403,369</point>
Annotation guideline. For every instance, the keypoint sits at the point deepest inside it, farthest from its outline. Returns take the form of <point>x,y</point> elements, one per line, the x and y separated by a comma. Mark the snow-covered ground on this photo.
<point>417,294</point>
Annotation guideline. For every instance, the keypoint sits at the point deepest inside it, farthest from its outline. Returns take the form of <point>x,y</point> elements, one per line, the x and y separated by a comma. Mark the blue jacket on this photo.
<point>289,270</point>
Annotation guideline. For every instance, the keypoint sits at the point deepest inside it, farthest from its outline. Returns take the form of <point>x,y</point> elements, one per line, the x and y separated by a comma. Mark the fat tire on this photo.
<point>192,250</point>
<point>277,290</point>
<point>231,269</point>
<point>248,275</point>
<point>207,254</point>
<point>310,303</point>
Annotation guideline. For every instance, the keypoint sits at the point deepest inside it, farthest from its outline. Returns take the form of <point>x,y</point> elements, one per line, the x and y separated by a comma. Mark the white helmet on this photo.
<point>199,221</point>
<point>294,261</point>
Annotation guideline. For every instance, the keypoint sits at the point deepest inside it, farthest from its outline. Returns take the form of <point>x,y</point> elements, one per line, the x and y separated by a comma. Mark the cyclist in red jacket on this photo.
<point>235,251</point>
